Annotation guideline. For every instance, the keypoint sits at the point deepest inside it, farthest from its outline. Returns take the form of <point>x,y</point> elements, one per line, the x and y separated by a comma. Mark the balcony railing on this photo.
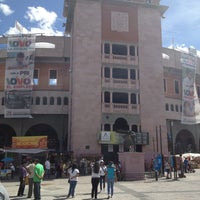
<point>120,108</point>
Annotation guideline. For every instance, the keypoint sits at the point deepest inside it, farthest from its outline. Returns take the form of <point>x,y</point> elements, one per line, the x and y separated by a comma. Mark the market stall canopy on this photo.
<point>7,159</point>
<point>27,151</point>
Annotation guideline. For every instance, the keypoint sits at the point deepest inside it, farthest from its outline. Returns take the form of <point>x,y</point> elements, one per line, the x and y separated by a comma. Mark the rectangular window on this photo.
<point>120,98</point>
<point>107,48</point>
<point>36,77</point>
<point>133,74</point>
<point>120,73</point>
<point>53,77</point>
<point>107,97</point>
<point>164,82</point>
<point>132,51</point>
<point>176,87</point>
<point>107,72</point>
<point>118,49</point>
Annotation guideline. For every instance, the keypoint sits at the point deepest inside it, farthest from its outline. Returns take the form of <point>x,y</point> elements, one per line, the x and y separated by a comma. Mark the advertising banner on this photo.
<point>19,76</point>
<point>29,142</point>
<point>190,101</point>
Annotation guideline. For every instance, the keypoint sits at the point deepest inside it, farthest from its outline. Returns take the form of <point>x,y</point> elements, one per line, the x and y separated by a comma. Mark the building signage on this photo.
<point>29,142</point>
<point>19,76</point>
<point>190,101</point>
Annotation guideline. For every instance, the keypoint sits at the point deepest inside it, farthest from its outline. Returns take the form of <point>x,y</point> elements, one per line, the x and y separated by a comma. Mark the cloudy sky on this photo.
<point>37,16</point>
<point>180,27</point>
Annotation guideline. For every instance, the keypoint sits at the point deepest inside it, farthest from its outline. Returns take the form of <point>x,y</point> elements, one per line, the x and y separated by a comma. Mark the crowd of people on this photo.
<point>100,174</point>
<point>31,172</point>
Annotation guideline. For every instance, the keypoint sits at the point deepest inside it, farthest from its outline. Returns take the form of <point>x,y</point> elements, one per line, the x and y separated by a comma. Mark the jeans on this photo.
<point>37,191</point>
<point>30,187</point>
<point>72,187</point>
<point>95,183</point>
<point>21,187</point>
<point>102,182</point>
<point>110,185</point>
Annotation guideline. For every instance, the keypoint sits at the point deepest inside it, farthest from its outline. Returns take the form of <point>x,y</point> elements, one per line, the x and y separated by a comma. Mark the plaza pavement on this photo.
<point>149,189</point>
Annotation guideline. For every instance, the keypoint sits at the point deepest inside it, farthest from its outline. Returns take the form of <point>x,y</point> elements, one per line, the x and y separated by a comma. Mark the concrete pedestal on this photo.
<point>132,165</point>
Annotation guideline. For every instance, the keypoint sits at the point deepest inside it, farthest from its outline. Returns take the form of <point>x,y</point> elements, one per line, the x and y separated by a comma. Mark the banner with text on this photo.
<point>28,142</point>
<point>190,101</point>
<point>19,76</point>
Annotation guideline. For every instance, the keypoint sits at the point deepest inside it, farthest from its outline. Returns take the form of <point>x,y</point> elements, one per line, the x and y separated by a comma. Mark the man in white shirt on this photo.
<point>47,168</point>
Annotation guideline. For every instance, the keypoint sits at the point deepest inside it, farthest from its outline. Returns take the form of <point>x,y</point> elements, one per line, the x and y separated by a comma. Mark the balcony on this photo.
<point>120,108</point>
<point>119,59</point>
<point>120,83</point>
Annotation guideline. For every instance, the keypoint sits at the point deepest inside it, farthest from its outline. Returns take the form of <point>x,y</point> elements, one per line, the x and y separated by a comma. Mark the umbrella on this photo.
<point>7,159</point>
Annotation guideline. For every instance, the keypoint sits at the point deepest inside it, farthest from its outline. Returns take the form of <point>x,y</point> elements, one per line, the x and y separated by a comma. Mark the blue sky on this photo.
<point>37,16</point>
<point>181,25</point>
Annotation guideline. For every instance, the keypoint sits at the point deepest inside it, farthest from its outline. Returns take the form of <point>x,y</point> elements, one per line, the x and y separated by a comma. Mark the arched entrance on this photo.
<point>110,151</point>
<point>184,142</point>
<point>45,130</point>
<point>6,134</point>
<point>120,124</point>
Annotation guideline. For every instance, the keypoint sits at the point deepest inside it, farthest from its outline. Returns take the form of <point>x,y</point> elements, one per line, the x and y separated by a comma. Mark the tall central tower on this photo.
<point>116,73</point>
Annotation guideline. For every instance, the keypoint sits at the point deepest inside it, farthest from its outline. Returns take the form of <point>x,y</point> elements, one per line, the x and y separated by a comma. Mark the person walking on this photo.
<point>111,178</point>
<point>38,175</point>
<point>102,172</point>
<point>22,176</point>
<point>73,174</point>
<point>30,168</point>
<point>95,179</point>
<point>47,165</point>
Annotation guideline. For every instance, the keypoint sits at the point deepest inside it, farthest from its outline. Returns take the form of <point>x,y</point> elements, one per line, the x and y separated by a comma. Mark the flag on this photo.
<point>18,26</point>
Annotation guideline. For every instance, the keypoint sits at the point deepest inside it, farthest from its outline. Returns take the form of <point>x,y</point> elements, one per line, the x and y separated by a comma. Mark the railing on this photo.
<point>121,108</point>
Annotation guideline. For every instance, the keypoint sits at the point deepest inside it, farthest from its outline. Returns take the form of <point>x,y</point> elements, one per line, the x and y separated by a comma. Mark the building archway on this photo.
<point>184,142</point>
<point>6,134</point>
<point>45,130</point>
<point>120,124</point>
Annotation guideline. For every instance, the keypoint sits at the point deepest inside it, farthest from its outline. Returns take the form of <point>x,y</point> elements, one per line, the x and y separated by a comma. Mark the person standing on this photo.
<point>22,176</point>
<point>30,168</point>
<point>111,178</point>
<point>95,179</point>
<point>102,171</point>
<point>73,173</point>
<point>12,168</point>
<point>38,175</point>
<point>47,168</point>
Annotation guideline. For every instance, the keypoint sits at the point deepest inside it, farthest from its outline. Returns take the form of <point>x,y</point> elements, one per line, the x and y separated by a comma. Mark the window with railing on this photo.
<point>120,73</point>
<point>53,77</point>
<point>120,97</point>
<point>36,77</point>
<point>118,49</point>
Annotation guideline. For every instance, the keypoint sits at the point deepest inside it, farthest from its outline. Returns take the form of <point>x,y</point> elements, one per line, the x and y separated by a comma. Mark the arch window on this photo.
<point>51,100</point>
<point>167,107</point>
<point>59,101</point>
<point>172,107</point>
<point>66,101</point>
<point>106,127</point>
<point>37,101</point>
<point>3,101</point>
<point>44,101</point>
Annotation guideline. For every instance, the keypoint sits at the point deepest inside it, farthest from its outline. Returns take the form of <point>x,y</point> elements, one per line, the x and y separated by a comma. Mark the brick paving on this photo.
<point>149,189</point>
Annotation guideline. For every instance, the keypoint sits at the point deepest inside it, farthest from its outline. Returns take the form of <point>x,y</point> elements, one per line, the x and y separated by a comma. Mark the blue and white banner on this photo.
<point>190,101</point>
<point>19,76</point>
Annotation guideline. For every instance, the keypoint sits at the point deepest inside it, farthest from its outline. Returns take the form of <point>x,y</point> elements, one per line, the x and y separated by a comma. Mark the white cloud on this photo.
<point>44,19</point>
<point>5,9</point>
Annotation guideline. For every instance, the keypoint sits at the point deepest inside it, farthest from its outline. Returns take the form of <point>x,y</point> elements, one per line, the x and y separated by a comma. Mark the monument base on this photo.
<point>132,165</point>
